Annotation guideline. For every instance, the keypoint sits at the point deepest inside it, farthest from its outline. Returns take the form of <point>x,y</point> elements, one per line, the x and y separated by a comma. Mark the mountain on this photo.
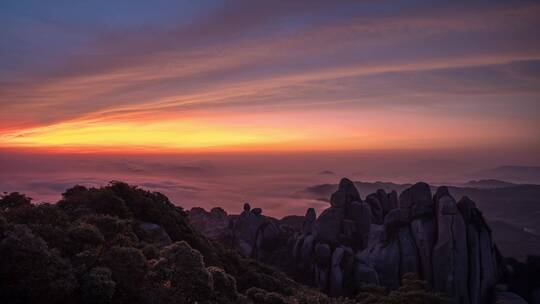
<point>488,183</point>
<point>122,244</point>
<point>516,174</point>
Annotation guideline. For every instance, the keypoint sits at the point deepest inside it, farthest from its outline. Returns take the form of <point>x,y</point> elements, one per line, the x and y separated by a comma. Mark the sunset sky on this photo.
<point>177,76</point>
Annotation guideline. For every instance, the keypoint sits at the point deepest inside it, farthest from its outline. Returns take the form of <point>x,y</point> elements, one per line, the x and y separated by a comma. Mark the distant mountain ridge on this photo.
<point>488,183</point>
<point>515,174</point>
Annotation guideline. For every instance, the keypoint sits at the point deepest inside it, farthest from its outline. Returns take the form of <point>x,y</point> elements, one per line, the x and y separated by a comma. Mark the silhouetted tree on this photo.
<point>129,267</point>
<point>97,286</point>
<point>14,200</point>
<point>30,272</point>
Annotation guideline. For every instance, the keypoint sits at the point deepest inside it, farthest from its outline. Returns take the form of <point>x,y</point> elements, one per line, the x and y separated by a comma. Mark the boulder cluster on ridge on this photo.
<point>379,240</point>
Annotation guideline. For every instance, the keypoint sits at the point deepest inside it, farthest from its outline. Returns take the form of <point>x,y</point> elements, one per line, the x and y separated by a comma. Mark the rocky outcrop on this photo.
<point>360,213</point>
<point>329,225</point>
<point>377,214</point>
<point>450,256</point>
<point>345,194</point>
<point>153,234</point>
<point>212,224</point>
<point>309,225</point>
<point>482,261</point>
<point>377,241</point>
<point>384,256</point>
<point>254,234</point>
<point>365,274</point>
<point>322,260</point>
<point>266,239</point>
<point>502,295</point>
<point>423,231</point>
<point>336,273</point>
<point>487,265</point>
<point>468,210</point>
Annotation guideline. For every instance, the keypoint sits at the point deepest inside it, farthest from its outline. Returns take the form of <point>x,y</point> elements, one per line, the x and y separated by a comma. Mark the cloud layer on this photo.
<point>270,75</point>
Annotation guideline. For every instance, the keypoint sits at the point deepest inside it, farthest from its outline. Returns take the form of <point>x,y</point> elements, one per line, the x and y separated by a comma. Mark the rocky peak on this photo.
<point>256,211</point>
<point>388,237</point>
<point>441,191</point>
<point>308,227</point>
<point>396,218</point>
<point>447,205</point>
<point>311,216</point>
<point>345,194</point>
<point>467,208</point>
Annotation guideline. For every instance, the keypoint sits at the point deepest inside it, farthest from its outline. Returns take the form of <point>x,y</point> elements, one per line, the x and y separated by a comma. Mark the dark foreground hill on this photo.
<point>121,244</point>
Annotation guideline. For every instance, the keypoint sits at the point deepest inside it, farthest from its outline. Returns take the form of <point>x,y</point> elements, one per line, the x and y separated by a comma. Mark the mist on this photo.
<point>272,181</point>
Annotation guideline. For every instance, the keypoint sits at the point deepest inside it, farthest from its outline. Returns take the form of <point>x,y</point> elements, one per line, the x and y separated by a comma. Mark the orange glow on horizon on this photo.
<point>147,136</point>
<point>251,132</point>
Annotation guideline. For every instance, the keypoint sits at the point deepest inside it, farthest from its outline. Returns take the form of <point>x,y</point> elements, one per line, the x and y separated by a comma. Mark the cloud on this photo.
<point>169,185</point>
<point>238,60</point>
<point>141,167</point>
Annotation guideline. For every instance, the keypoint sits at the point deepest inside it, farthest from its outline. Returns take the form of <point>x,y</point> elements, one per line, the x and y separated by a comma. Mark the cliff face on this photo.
<point>377,241</point>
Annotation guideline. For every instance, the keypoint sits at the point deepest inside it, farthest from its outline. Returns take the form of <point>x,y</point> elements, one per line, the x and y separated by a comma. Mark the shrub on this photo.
<point>224,286</point>
<point>262,296</point>
<point>97,286</point>
<point>30,272</point>
<point>14,200</point>
<point>79,201</point>
<point>82,237</point>
<point>183,275</point>
<point>129,268</point>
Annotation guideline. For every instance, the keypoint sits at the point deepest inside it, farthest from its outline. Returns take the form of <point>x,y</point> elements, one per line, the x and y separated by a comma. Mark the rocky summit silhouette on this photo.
<point>381,240</point>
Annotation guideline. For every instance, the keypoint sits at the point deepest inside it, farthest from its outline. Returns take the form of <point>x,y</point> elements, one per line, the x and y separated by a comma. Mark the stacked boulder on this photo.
<point>450,256</point>
<point>417,201</point>
<point>302,247</point>
<point>377,241</point>
<point>327,245</point>
<point>482,261</point>
<point>254,234</point>
<point>211,224</point>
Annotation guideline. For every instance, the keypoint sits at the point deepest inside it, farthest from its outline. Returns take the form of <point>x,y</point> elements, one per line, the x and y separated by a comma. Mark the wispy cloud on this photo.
<point>239,73</point>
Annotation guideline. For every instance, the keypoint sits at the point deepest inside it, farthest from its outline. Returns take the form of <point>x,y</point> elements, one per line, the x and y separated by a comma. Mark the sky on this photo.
<point>220,76</point>
<point>223,102</point>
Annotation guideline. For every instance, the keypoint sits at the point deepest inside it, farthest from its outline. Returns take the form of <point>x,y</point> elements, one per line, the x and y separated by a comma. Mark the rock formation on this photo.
<point>450,257</point>
<point>258,236</point>
<point>212,224</point>
<point>377,241</point>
